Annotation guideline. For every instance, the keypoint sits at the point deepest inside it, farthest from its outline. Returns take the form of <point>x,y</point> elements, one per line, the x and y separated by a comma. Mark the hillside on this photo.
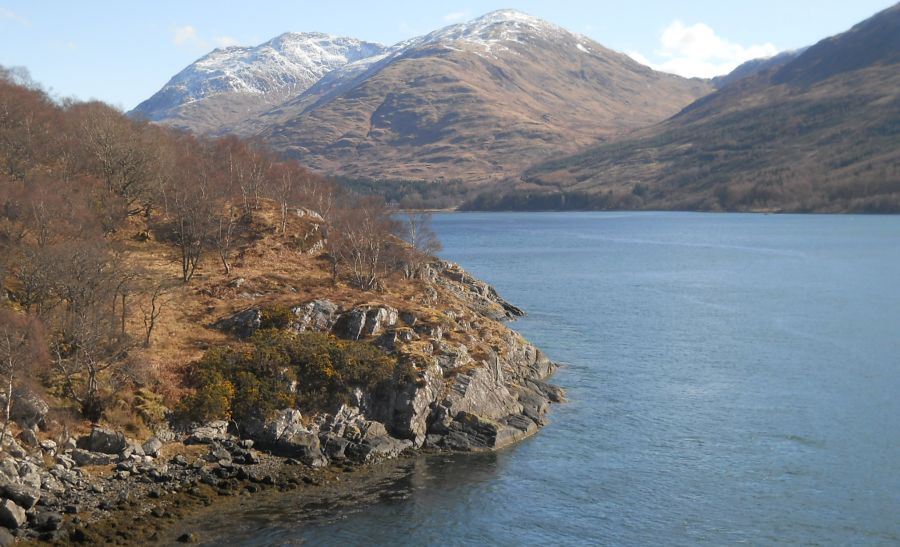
<point>821,133</point>
<point>473,101</point>
<point>231,84</point>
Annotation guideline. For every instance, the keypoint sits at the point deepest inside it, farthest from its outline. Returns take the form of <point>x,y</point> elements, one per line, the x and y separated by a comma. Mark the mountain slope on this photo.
<point>821,133</point>
<point>755,66</point>
<point>474,101</point>
<point>231,84</point>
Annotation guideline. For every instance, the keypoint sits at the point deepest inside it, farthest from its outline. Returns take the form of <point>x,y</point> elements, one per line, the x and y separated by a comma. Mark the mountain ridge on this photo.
<point>820,133</point>
<point>472,101</point>
<point>230,83</point>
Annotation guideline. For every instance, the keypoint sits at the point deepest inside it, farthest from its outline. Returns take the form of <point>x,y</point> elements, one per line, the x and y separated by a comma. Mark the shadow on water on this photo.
<point>356,511</point>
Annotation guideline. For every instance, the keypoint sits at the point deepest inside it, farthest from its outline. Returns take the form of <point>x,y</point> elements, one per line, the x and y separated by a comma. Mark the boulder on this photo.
<point>6,539</point>
<point>103,440</point>
<point>377,448</point>
<point>28,408</point>
<point>85,457</point>
<point>285,422</point>
<point>24,495</point>
<point>152,447</point>
<point>243,323</point>
<point>216,431</point>
<point>11,515</point>
<point>304,446</point>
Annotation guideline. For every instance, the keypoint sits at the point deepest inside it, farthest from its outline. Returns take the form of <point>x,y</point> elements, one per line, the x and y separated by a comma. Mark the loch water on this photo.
<point>733,378</point>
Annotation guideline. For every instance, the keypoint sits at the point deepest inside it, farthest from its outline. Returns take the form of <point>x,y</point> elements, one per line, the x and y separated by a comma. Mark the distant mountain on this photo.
<point>755,66</point>
<point>231,84</point>
<point>821,133</point>
<point>475,101</point>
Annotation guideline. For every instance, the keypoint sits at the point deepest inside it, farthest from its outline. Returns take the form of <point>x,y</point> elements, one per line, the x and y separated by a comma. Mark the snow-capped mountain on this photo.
<point>254,78</point>
<point>473,101</point>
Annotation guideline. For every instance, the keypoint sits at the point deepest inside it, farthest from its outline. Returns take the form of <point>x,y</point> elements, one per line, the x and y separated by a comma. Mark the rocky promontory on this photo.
<point>478,385</point>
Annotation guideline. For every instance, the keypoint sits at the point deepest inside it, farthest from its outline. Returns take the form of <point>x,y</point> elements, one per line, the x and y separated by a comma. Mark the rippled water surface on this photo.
<point>733,379</point>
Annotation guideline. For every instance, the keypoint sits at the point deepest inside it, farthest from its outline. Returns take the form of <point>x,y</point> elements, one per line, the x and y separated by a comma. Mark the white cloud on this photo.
<point>186,36</point>
<point>9,15</point>
<point>697,51</point>
<point>226,41</point>
<point>455,16</point>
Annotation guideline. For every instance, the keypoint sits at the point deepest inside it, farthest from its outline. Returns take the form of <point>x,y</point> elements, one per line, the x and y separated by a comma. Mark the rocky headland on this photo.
<point>478,386</point>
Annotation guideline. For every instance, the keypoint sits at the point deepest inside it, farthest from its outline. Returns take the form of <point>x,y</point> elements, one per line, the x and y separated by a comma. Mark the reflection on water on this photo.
<point>413,494</point>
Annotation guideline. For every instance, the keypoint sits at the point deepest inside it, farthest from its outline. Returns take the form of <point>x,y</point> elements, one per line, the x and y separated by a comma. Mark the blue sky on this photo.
<point>122,52</point>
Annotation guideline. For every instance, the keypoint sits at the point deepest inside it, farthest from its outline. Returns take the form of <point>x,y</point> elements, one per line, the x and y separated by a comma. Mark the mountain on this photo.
<point>755,66</point>
<point>231,84</point>
<point>821,133</point>
<point>474,101</point>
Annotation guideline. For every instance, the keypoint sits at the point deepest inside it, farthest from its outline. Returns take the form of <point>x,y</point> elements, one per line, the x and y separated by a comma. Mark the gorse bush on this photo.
<point>278,369</point>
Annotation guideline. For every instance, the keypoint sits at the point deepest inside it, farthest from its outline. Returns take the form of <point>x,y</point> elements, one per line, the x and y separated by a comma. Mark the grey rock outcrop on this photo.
<point>102,440</point>
<point>215,431</point>
<point>365,321</point>
<point>480,295</point>
<point>315,316</point>
<point>243,323</point>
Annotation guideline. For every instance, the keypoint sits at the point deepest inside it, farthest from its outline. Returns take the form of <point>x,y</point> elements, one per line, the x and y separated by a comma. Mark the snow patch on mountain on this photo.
<point>286,65</point>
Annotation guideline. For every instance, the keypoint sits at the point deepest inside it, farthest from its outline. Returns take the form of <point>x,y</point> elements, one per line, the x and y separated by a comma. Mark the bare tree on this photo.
<point>423,242</point>
<point>121,154</point>
<point>152,310</point>
<point>22,351</point>
<point>285,182</point>
<point>360,239</point>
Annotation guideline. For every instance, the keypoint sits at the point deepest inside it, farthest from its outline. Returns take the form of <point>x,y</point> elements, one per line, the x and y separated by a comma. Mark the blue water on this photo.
<point>733,379</point>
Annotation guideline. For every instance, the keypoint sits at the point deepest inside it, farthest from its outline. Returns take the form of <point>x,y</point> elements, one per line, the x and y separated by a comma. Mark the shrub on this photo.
<point>278,369</point>
<point>149,406</point>
<point>277,317</point>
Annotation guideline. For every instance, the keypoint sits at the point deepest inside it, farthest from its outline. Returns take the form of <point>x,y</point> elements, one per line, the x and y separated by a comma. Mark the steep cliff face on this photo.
<point>479,384</point>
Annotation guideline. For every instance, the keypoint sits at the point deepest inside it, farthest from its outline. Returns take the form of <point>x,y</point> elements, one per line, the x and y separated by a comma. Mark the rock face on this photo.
<point>469,394</point>
<point>480,295</point>
<point>318,315</point>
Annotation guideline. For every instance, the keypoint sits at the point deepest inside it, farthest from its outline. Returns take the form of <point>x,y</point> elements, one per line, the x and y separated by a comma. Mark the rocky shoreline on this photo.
<point>479,386</point>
